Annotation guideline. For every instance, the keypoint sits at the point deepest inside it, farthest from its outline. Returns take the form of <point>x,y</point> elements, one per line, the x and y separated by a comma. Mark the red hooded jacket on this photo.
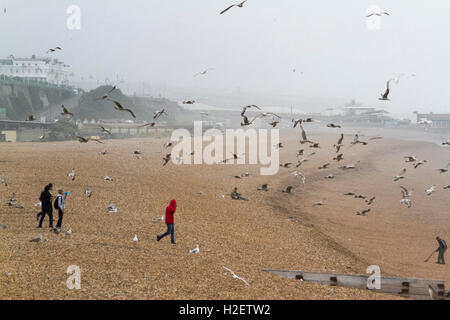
<point>170,211</point>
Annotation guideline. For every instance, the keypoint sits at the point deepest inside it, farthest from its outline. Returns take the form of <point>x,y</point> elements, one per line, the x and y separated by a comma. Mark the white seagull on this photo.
<point>196,250</point>
<point>37,239</point>
<point>431,190</point>
<point>235,276</point>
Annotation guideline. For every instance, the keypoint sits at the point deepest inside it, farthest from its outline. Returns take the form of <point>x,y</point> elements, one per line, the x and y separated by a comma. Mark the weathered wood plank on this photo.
<point>406,287</point>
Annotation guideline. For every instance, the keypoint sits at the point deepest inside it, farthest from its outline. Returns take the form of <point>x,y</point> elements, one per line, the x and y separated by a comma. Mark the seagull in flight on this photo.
<point>158,114</point>
<point>378,14</point>
<point>86,140</point>
<point>431,190</point>
<point>401,175</point>
<point>385,95</point>
<point>239,5</point>
<point>104,130</point>
<point>235,276</point>
<point>66,112</point>
<point>203,72</point>
<point>51,50</point>
<point>121,108</point>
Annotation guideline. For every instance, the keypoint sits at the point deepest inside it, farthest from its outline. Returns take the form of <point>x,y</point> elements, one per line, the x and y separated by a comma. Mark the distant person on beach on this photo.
<point>46,201</point>
<point>170,211</point>
<point>60,205</point>
<point>441,249</point>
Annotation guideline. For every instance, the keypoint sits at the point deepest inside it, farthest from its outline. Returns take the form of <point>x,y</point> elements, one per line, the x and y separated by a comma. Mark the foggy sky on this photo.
<point>254,48</point>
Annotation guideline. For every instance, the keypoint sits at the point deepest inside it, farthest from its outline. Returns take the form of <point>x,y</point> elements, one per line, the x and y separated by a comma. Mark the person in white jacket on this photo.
<point>61,204</point>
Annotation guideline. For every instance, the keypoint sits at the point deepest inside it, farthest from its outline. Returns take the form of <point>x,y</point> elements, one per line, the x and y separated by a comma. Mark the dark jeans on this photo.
<point>171,231</point>
<point>48,211</point>
<point>441,256</point>
<point>60,218</point>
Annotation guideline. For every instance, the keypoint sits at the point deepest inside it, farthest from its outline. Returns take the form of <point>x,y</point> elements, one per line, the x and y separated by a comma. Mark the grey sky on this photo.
<point>255,48</point>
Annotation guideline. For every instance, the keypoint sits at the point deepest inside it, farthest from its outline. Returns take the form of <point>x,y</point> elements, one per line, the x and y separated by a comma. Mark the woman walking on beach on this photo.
<point>46,201</point>
<point>170,211</point>
<point>61,206</point>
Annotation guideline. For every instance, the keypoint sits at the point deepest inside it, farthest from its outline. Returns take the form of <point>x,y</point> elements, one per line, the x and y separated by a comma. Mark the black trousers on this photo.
<point>49,212</point>
<point>60,217</point>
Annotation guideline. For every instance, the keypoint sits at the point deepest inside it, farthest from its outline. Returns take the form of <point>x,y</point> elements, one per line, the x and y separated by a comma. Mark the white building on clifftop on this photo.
<point>40,69</point>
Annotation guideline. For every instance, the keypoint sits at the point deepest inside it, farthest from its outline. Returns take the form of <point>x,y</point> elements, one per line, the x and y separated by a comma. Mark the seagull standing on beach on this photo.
<point>135,239</point>
<point>3,181</point>
<point>195,250</point>
<point>37,239</point>
<point>72,174</point>
<point>235,276</point>
<point>112,208</point>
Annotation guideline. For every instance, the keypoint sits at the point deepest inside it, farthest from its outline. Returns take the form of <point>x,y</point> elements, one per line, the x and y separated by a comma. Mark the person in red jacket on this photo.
<point>170,211</point>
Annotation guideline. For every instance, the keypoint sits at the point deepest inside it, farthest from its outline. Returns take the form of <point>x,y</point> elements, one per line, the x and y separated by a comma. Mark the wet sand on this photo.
<point>243,236</point>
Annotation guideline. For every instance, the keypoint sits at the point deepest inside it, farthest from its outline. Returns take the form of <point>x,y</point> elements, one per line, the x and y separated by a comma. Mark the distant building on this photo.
<point>40,69</point>
<point>434,120</point>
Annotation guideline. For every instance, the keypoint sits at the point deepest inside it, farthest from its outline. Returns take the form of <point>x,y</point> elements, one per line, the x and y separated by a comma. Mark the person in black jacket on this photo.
<point>46,200</point>
<point>441,250</point>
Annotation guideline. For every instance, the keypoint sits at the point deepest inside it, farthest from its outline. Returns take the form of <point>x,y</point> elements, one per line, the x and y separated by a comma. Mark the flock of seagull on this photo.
<point>406,195</point>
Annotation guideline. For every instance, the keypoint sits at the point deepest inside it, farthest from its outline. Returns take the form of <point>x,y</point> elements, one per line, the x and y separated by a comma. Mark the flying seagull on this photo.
<point>51,50</point>
<point>299,174</point>
<point>410,159</point>
<point>150,124</point>
<point>235,276</point>
<point>121,108</point>
<point>379,14</point>
<point>86,140</point>
<point>431,190</point>
<point>385,96</point>
<point>363,212</point>
<point>239,5</point>
<point>332,125</point>
<point>65,111</point>
<point>202,73</point>
<point>112,89</point>
<point>104,130</point>
<point>339,144</point>
<point>325,166</point>
<point>370,201</point>
<point>419,163</point>
<point>167,158</point>
<point>401,175</point>
<point>158,114</point>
